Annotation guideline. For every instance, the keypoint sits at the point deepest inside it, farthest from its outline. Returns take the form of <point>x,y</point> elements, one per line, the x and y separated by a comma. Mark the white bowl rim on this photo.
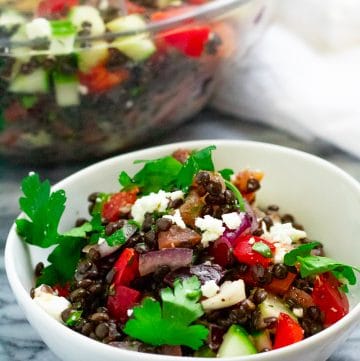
<point>319,338</point>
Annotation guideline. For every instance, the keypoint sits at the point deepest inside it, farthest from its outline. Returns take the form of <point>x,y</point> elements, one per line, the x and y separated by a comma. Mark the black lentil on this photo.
<point>280,271</point>
<point>163,224</point>
<point>252,185</point>
<point>39,269</point>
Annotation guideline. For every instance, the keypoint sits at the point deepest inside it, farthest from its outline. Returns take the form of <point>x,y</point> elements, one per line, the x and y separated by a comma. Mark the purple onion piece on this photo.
<point>204,272</point>
<point>253,219</point>
<point>172,257</point>
<point>245,226</point>
<point>216,336</point>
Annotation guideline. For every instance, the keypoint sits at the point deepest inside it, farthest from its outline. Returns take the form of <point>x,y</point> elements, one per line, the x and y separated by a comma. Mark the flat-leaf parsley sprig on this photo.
<point>170,322</point>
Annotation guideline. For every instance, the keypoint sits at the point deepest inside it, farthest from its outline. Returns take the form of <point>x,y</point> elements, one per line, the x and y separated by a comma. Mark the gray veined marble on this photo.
<point>18,341</point>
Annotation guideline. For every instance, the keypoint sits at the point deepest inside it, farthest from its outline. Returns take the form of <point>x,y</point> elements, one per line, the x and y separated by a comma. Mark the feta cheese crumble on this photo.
<point>38,28</point>
<point>50,302</point>
<point>230,293</point>
<point>176,219</point>
<point>298,312</point>
<point>285,233</point>
<point>209,289</point>
<point>232,220</point>
<point>153,202</point>
<point>211,227</point>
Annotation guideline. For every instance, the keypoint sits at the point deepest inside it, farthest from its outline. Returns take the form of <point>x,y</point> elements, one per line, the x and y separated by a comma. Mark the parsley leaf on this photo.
<point>303,250</point>
<point>226,173</point>
<point>63,261</point>
<point>43,209</point>
<point>155,175</point>
<point>74,318</point>
<point>312,265</point>
<point>199,160</point>
<point>170,323</point>
<point>168,173</point>
<point>263,249</point>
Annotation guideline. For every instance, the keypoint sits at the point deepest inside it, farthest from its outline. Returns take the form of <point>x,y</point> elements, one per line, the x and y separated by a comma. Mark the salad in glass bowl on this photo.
<point>181,261</point>
<point>83,79</point>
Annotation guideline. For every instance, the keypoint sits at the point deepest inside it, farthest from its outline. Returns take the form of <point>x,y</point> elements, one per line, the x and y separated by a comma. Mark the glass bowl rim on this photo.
<point>204,11</point>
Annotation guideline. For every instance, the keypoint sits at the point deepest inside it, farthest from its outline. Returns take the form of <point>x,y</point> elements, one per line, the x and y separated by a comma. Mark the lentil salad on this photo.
<point>188,244</point>
<point>75,99</point>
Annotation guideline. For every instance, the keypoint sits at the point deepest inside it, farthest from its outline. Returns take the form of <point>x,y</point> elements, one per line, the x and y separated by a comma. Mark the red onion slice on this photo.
<point>172,257</point>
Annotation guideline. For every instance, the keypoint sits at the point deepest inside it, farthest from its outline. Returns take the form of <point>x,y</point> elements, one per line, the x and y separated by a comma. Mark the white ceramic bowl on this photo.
<point>323,198</point>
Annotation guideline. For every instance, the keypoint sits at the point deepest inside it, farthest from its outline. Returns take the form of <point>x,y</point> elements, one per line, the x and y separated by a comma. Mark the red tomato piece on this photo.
<point>118,204</point>
<point>126,267</point>
<point>329,298</point>
<point>100,79</point>
<point>15,112</point>
<point>123,299</point>
<point>53,7</point>
<point>62,290</point>
<point>190,41</point>
<point>245,254</point>
<point>288,331</point>
<point>133,8</point>
<point>280,287</point>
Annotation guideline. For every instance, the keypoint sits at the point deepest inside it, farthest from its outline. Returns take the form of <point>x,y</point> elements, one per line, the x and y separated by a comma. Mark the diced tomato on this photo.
<point>100,79</point>
<point>118,204</point>
<point>197,2</point>
<point>48,8</point>
<point>126,267</point>
<point>288,331</point>
<point>62,290</point>
<point>133,8</point>
<point>329,298</point>
<point>123,299</point>
<point>14,112</point>
<point>245,254</point>
<point>280,287</point>
<point>190,40</point>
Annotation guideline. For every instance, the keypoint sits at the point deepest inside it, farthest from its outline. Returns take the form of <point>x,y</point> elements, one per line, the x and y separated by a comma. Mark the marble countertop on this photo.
<point>18,341</point>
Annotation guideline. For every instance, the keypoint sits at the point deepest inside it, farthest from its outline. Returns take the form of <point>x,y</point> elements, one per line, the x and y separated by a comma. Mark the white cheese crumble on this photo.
<point>130,312</point>
<point>176,219</point>
<point>230,294</point>
<point>101,240</point>
<point>209,289</point>
<point>285,233</point>
<point>50,302</point>
<point>232,220</point>
<point>280,251</point>
<point>211,227</point>
<point>38,28</point>
<point>153,202</point>
<point>298,312</point>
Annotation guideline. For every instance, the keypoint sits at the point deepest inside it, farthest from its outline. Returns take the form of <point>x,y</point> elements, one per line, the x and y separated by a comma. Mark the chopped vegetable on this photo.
<point>262,248</point>
<point>288,332</point>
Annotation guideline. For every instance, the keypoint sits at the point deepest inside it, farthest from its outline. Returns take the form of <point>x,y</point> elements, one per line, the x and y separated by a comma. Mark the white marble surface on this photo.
<point>18,341</point>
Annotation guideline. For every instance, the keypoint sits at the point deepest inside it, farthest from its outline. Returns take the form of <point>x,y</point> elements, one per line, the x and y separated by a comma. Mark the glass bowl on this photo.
<point>84,81</point>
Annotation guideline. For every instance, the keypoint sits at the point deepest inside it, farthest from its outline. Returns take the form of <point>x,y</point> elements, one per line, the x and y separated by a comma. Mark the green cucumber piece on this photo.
<point>87,14</point>
<point>204,352</point>
<point>66,90</point>
<point>261,340</point>
<point>36,82</point>
<point>273,306</point>
<point>60,28</point>
<point>236,342</point>
<point>92,56</point>
<point>136,47</point>
<point>122,24</point>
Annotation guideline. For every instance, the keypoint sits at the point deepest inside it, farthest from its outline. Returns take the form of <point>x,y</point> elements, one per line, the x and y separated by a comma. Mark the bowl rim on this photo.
<point>351,319</point>
<point>199,12</point>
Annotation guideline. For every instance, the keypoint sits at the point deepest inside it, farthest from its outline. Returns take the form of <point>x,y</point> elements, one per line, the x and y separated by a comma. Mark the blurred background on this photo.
<point>284,72</point>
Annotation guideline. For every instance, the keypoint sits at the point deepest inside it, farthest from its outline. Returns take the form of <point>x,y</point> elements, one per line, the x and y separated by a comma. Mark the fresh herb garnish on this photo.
<point>170,323</point>
<point>44,210</point>
<point>237,194</point>
<point>312,265</point>
<point>263,249</point>
<point>168,173</point>
<point>226,173</point>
